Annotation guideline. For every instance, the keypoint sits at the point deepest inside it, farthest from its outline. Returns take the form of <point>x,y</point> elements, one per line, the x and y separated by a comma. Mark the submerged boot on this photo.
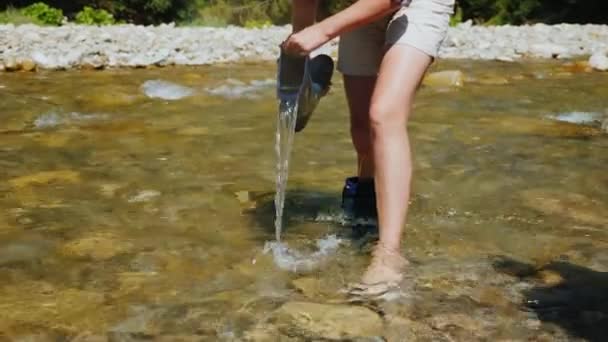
<point>304,81</point>
<point>359,204</point>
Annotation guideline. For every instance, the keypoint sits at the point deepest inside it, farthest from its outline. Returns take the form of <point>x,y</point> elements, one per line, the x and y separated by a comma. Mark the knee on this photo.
<point>386,116</point>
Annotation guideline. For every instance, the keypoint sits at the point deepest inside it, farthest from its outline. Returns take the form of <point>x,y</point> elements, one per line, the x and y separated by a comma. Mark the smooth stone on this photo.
<point>446,78</point>
<point>324,321</point>
<point>10,64</point>
<point>28,65</point>
<point>599,61</point>
<point>45,177</point>
<point>309,286</point>
<point>98,246</point>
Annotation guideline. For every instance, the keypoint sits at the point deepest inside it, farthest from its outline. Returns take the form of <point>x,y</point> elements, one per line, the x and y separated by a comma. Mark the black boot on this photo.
<point>359,203</point>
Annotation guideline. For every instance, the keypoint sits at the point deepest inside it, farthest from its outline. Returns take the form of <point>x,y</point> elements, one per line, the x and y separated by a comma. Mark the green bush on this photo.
<point>15,16</point>
<point>44,14</point>
<point>91,16</point>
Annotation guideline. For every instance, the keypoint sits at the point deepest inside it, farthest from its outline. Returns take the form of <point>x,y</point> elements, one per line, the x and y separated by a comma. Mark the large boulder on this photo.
<point>324,321</point>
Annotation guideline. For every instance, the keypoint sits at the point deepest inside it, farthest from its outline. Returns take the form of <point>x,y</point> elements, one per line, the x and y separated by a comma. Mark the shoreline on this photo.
<point>31,47</point>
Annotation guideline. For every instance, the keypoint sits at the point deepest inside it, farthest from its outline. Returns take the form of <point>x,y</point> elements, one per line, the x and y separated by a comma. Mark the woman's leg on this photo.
<point>401,71</point>
<point>359,90</point>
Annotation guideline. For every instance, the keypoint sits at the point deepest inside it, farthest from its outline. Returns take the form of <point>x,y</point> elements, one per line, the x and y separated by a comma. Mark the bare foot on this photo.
<point>384,273</point>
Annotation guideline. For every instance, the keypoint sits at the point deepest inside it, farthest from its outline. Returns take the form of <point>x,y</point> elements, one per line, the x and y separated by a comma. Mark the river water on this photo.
<point>137,205</point>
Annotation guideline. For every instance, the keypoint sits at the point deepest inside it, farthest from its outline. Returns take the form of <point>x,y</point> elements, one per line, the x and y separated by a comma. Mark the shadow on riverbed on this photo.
<point>301,206</point>
<point>571,296</point>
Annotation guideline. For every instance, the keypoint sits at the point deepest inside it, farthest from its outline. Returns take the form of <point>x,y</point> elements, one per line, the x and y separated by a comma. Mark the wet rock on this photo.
<point>45,177</point>
<point>493,80</point>
<point>10,64</point>
<point>578,66</point>
<point>583,118</point>
<point>236,89</point>
<point>309,287</point>
<point>110,189</point>
<point>97,246</point>
<point>322,321</point>
<point>447,78</point>
<point>94,61</point>
<point>28,65</point>
<point>19,251</point>
<point>157,89</point>
<point>101,99</point>
<point>143,324</point>
<point>599,61</point>
<point>144,196</point>
<point>550,277</point>
<point>404,329</point>
<point>566,205</point>
<point>243,196</point>
<point>547,128</point>
<point>446,320</point>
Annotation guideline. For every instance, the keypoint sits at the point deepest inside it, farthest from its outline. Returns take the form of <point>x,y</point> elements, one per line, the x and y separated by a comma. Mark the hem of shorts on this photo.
<point>415,46</point>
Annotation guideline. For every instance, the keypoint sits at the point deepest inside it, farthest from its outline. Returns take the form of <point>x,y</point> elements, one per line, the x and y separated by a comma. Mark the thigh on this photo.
<point>402,69</point>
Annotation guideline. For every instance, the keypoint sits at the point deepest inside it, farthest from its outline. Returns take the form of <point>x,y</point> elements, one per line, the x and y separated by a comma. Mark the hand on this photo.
<point>303,42</point>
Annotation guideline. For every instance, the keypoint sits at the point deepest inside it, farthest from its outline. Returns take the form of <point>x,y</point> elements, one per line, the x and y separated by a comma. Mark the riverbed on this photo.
<point>136,204</point>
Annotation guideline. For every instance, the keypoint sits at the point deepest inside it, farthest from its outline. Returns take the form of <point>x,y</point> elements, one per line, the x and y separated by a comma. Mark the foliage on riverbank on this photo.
<point>256,13</point>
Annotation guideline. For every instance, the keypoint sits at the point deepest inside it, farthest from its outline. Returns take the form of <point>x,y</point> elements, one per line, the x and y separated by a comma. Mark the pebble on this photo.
<point>128,45</point>
<point>599,61</point>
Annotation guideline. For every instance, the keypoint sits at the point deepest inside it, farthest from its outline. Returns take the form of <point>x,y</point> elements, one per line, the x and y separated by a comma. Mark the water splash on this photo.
<point>286,123</point>
<point>292,260</point>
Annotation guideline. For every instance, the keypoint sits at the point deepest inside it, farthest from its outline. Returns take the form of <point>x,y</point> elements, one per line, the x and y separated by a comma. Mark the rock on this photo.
<point>144,196</point>
<point>243,196</point>
<point>165,90</point>
<point>578,66</point>
<point>548,50</point>
<point>18,251</point>
<point>576,207</point>
<point>28,65</point>
<point>310,287</point>
<point>2,67</point>
<point>599,62</point>
<point>323,321</point>
<point>605,126</point>
<point>493,80</point>
<point>93,61</point>
<point>550,277</point>
<point>446,320</point>
<point>45,177</point>
<point>97,246</point>
<point>10,64</point>
<point>447,78</point>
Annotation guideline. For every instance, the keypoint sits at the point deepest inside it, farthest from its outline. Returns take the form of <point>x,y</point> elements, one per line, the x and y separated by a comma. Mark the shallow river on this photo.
<point>125,217</point>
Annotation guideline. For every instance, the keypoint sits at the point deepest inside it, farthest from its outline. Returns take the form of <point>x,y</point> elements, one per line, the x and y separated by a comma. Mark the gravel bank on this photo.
<point>29,47</point>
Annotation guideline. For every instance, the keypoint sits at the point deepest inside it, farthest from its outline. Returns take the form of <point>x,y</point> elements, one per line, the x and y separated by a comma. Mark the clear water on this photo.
<point>129,217</point>
<point>286,124</point>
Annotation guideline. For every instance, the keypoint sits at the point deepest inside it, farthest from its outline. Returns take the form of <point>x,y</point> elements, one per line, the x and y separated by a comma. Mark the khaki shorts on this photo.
<point>423,25</point>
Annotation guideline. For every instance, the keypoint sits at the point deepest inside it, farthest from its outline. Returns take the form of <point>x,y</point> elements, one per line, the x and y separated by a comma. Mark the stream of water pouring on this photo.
<point>286,123</point>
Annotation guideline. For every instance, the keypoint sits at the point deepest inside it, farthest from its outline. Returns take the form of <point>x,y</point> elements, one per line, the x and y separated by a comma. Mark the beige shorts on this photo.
<point>423,25</point>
